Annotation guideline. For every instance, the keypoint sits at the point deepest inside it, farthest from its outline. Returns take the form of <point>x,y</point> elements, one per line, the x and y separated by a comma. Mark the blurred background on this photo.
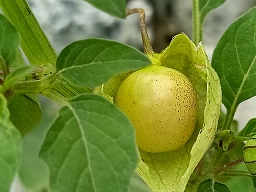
<point>66,21</point>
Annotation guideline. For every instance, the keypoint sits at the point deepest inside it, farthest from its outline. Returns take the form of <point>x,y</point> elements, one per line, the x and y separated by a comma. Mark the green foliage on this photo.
<point>206,6</point>
<point>29,113</point>
<point>200,9</point>
<point>16,76</point>
<point>10,148</point>
<point>9,42</point>
<point>113,7</point>
<point>34,43</point>
<point>91,145</point>
<point>101,153</point>
<point>91,62</point>
<point>209,185</point>
<point>249,130</point>
<point>234,61</point>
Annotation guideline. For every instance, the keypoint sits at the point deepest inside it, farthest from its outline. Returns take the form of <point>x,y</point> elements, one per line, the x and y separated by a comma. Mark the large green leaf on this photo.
<point>113,7</point>
<point>91,62</point>
<point>25,112</point>
<point>10,148</point>
<point>9,41</point>
<point>170,171</point>
<point>234,59</point>
<point>90,147</point>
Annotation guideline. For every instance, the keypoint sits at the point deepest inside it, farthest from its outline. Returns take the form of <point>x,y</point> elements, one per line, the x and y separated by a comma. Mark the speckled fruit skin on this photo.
<point>161,104</point>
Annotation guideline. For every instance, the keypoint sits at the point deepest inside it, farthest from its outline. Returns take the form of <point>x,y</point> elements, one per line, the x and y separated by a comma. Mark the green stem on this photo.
<point>229,117</point>
<point>34,42</point>
<point>4,67</point>
<point>197,27</point>
<point>29,87</point>
<point>52,87</point>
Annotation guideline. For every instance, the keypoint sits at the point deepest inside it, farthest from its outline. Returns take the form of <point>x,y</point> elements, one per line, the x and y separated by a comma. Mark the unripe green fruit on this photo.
<point>250,155</point>
<point>161,104</point>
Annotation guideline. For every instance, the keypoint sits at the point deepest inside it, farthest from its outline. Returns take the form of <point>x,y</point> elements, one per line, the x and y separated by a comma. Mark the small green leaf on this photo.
<point>234,59</point>
<point>10,148</point>
<point>112,7</point>
<point>9,41</point>
<point>249,130</point>
<point>205,6</point>
<point>91,62</point>
<point>170,171</point>
<point>209,185</point>
<point>90,147</point>
<point>17,75</point>
<point>25,112</point>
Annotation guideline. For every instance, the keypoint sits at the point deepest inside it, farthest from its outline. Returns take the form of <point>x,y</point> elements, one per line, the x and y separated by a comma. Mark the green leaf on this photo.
<point>234,59</point>
<point>10,148</point>
<point>90,147</point>
<point>35,44</point>
<point>9,41</point>
<point>200,9</point>
<point>170,171</point>
<point>205,6</point>
<point>249,130</point>
<point>25,112</point>
<point>91,62</point>
<point>113,7</point>
<point>209,185</point>
<point>17,75</point>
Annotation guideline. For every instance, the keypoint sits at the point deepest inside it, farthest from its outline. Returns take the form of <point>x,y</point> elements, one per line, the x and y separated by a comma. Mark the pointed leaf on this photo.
<point>17,75</point>
<point>209,185</point>
<point>155,168</point>
<point>10,148</point>
<point>113,7</point>
<point>234,59</point>
<point>90,147</point>
<point>205,6</point>
<point>91,62</point>
<point>9,41</point>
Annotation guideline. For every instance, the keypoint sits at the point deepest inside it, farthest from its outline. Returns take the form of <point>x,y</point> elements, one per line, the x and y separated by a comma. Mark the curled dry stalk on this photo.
<point>144,34</point>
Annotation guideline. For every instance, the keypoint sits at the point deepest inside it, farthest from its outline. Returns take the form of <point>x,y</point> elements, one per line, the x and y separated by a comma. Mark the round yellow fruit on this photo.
<point>161,104</point>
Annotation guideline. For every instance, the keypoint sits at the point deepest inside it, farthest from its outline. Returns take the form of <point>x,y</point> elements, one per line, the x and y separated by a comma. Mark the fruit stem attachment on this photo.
<point>229,165</point>
<point>143,29</point>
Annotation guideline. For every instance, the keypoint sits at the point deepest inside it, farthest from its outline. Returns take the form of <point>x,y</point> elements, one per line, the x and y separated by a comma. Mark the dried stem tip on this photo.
<point>143,29</point>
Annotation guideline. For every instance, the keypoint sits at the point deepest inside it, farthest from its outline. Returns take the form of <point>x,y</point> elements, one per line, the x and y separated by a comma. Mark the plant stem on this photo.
<point>34,42</point>
<point>143,29</point>
<point>4,67</point>
<point>229,165</point>
<point>229,117</point>
<point>29,87</point>
<point>197,27</point>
